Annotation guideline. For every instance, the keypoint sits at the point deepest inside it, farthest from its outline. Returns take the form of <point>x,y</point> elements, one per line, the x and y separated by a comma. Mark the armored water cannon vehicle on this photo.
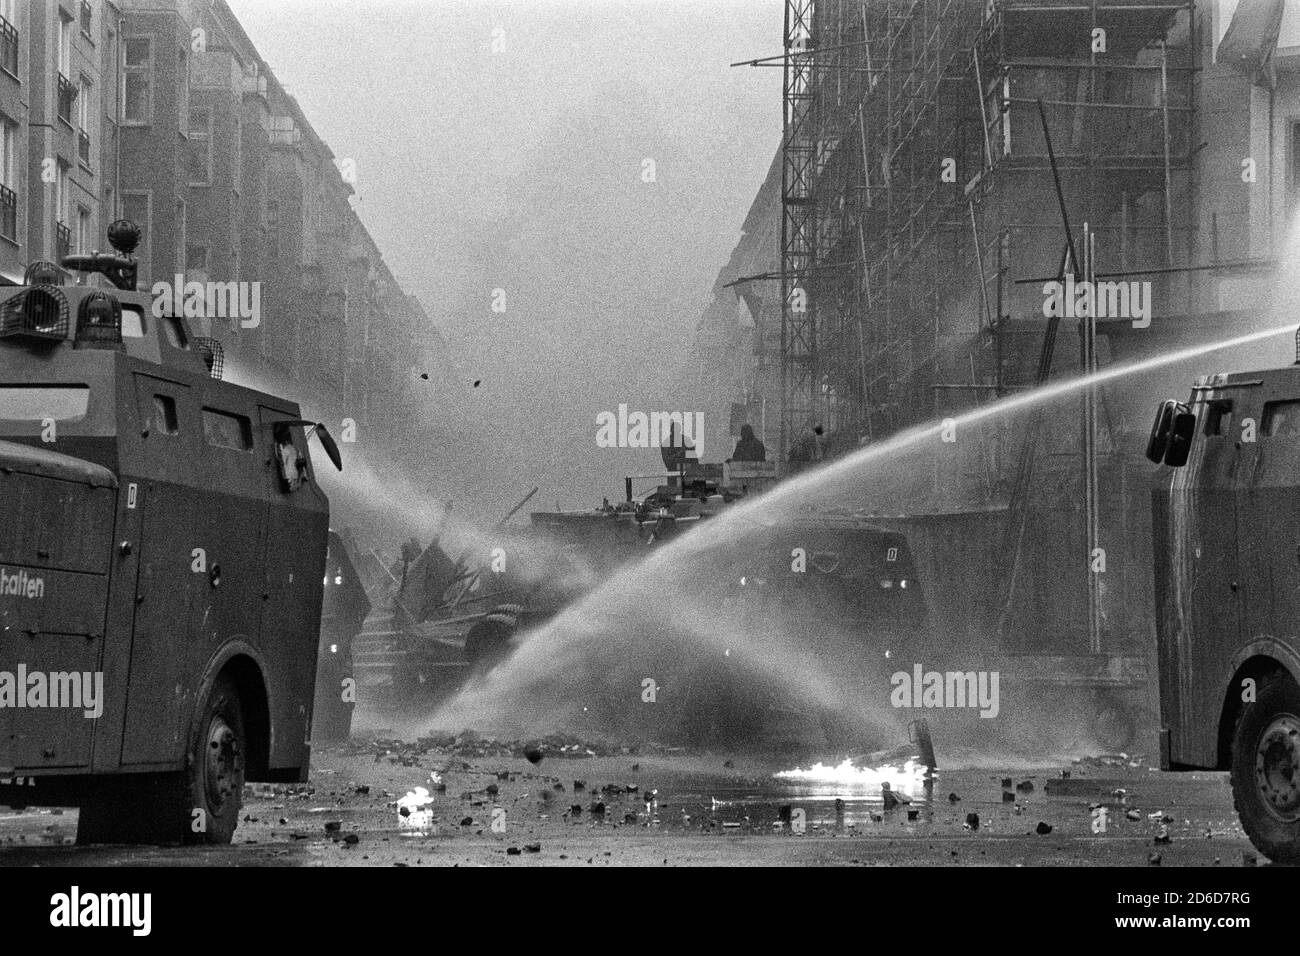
<point>162,552</point>
<point>1226,523</point>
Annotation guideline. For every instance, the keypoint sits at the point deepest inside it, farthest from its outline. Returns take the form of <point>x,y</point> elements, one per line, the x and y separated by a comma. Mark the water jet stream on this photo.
<point>553,672</point>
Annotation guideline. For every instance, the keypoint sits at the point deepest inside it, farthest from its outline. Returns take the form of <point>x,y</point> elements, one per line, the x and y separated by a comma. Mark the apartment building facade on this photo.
<point>58,128</point>
<point>163,112</point>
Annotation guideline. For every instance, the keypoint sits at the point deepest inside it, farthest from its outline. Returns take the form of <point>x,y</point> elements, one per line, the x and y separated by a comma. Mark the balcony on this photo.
<point>8,214</point>
<point>8,47</point>
<point>67,97</point>
<point>62,242</point>
<point>83,148</point>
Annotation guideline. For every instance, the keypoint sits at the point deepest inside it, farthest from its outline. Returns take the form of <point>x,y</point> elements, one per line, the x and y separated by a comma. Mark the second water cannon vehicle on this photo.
<point>1226,510</point>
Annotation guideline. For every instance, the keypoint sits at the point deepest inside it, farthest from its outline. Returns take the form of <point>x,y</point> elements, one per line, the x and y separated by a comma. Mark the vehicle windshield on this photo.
<point>37,403</point>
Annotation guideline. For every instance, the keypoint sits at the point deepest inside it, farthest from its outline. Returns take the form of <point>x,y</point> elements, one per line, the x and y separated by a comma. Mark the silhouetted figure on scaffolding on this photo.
<point>749,448</point>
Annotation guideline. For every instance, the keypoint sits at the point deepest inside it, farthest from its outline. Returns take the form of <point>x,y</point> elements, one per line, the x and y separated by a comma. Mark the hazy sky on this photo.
<point>522,169</point>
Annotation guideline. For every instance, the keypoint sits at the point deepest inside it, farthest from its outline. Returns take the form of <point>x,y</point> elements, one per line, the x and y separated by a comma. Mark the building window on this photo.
<point>200,136</point>
<point>8,178</point>
<point>137,82</point>
<point>136,206</point>
<point>85,231</point>
<point>8,38</point>
<point>8,214</point>
<point>65,45</point>
<point>86,20</point>
<point>84,120</point>
<point>67,94</point>
<point>62,193</point>
<point>196,262</point>
<point>8,152</point>
<point>62,213</point>
<point>62,242</point>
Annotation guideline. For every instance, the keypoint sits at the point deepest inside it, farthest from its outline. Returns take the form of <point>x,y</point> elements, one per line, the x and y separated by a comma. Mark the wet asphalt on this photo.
<point>493,806</point>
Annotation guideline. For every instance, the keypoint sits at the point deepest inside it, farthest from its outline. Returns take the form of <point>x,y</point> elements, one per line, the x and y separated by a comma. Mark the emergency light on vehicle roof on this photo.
<point>37,313</point>
<point>99,322</point>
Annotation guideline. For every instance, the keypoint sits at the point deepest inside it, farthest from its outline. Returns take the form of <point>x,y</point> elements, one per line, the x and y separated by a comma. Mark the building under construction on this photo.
<point>941,161</point>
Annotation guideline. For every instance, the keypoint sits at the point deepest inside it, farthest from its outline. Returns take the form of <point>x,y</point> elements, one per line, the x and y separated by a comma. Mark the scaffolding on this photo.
<point>915,174</point>
<point>799,366</point>
<point>917,188</point>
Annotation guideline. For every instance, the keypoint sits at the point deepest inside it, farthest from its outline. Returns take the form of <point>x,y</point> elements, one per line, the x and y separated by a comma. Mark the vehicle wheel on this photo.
<point>487,644</point>
<point>1266,769</point>
<point>160,808</point>
<point>215,775</point>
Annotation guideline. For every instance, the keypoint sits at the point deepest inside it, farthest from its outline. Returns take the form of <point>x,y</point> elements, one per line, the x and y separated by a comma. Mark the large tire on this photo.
<point>1266,769</point>
<point>162,808</point>
<point>215,775</point>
